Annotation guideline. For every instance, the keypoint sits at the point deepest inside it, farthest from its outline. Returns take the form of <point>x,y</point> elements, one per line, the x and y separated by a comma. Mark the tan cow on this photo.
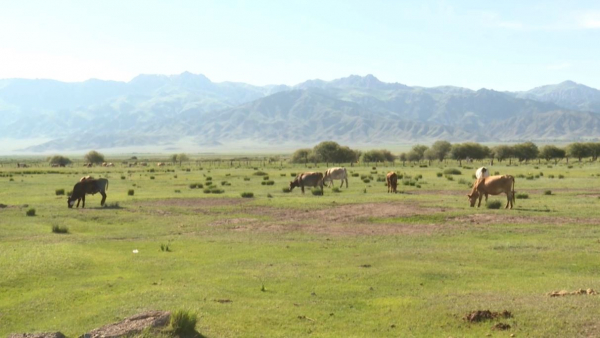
<point>392,181</point>
<point>338,173</point>
<point>84,178</point>
<point>493,185</point>
<point>310,179</point>
<point>160,164</point>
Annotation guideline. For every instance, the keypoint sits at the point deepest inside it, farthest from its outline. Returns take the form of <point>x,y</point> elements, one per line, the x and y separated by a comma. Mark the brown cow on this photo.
<point>91,186</point>
<point>493,185</point>
<point>310,179</point>
<point>392,181</point>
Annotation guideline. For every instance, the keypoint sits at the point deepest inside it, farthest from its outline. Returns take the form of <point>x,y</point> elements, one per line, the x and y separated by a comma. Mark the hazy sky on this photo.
<point>503,45</point>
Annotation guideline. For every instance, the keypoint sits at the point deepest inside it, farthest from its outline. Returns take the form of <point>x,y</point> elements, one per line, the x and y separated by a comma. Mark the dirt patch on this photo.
<point>195,202</point>
<point>230,221</point>
<point>481,315</point>
<point>508,218</point>
<point>223,301</point>
<point>132,325</point>
<point>562,293</point>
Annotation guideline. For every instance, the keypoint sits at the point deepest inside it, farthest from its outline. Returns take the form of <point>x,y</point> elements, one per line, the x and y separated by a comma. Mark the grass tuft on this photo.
<point>452,171</point>
<point>30,212</point>
<point>548,192</point>
<point>521,196</point>
<point>285,189</point>
<point>59,192</point>
<point>57,229</point>
<point>493,204</point>
<point>247,194</point>
<point>336,189</point>
<point>130,192</point>
<point>183,321</point>
<point>317,192</point>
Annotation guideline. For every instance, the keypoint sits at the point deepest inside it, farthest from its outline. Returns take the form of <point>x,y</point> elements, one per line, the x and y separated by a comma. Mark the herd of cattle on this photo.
<point>484,185</point>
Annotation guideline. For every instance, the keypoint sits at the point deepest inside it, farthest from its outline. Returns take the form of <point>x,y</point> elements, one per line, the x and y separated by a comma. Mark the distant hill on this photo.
<point>159,110</point>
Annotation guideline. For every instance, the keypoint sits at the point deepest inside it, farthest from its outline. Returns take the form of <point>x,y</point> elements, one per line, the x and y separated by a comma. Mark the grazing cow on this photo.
<point>110,164</point>
<point>336,174</point>
<point>88,165</point>
<point>392,181</point>
<point>89,186</point>
<point>493,185</point>
<point>22,165</point>
<point>310,179</point>
<point>160,164</point>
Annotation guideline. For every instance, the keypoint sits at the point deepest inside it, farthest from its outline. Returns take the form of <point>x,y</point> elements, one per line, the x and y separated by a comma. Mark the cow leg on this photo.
<point>103,197</point>
<point>486,196</point>
<point>507,200</point>
<point>346,179</point>
<point>480,198</point>
<point>342,185</point>
<point>78,200</point>
<point>83,200</point>
<point>302,187</point>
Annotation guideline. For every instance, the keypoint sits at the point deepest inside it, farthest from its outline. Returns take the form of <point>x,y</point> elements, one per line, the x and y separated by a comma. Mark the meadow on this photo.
<point>355,263</point>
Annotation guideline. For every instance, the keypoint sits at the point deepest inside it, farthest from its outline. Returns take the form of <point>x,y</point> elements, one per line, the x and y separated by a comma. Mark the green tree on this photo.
<point>550,152</point>
<point>94,157</point>
<point>525,151</point>
<point>578,150</point>
<point>182,157</point>
<point>502,152</point>
<point>60,160</point>
<point>440,149</point>
<point>330,151</point>
<point>403,157</point>
<point>377,156</point>
<point>301,155</point>
<point>420,149</point>
<point>594,149</point>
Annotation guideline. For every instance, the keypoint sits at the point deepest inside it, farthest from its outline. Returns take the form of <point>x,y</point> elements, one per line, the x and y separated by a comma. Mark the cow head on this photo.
<point>70,202</point>
<point>473,196</point>
<point>294,184</point>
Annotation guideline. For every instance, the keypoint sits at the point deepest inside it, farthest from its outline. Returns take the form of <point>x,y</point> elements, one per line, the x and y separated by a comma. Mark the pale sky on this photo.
<point>502,45</point>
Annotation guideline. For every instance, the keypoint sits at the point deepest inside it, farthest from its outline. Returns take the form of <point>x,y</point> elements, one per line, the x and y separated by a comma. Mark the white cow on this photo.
<point>336,174</point>
<point>482,172</point>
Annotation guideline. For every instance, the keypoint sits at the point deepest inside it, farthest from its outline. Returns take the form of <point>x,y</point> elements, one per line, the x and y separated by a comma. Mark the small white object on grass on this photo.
<point>135,251</point>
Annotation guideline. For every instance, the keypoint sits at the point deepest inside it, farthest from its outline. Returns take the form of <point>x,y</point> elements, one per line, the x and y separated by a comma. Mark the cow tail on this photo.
<point>513,190</point>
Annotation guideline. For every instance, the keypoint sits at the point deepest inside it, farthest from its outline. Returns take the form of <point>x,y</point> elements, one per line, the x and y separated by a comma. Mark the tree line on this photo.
<point>332,152</point>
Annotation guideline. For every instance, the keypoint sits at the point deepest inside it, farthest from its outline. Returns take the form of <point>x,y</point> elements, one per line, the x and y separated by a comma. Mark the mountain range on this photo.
<point>162,112</point>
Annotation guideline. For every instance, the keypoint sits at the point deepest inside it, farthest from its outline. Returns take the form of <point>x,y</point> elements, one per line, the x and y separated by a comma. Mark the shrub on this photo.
<point>247,194</point>
<point>452,171</point>
<point>122,177</point>
<point>366,180</point>
<point>59,192</point>
<point>381,179</point>
<point>374,172</point>
<point>114,205</point>
<point>541,173</point>
<point>177,191</point>
<point>260,173</point>
<point>174,176</point>
<point>246,178</point>
<point>293,174</point>
<point>282,174</point>
<point>266,178</point>
<point>493,204</point>
<point>227,174</point>
<point>561,176</point>
<point>151,177</point>
<point>450,178</point>
<point>217,191</point>
<point>336,189</point>
<point>521,196</point>
<point>374,168</point>
<point>206,191</point>
<point>11,179</point>
<point>550,176</point>
<point>183,321</point>
<point>423,166</point>
<point>285,189</point>
<point>165,247</point>
<point>130,192</point>
<point>570,166</point>
<point>269,196</point>
<point>267,182</point>
<point>440,174</point>
<point>209,178</point>
<point>548,192</point>
<point>30,212</point>
<point>57,229</point>
<point>317,192</point>
<point>354,174</point>
<point>536,167</point>
<point>496,173</point>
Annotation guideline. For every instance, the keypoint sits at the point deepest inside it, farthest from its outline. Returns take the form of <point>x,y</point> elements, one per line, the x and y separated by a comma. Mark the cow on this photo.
<point>482,172</point>
<point>110,164</point>
<point>84,178</point>
<point>22,165</point>
<point>160,164</point>
<point>89,186</point>
<point>392,181</point>
<point>336,174</point>
<point>309,179</point>
<point>493,185</point>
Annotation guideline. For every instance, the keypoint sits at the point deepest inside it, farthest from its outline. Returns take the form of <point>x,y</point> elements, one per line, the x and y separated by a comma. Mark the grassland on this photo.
<point>358,263</point>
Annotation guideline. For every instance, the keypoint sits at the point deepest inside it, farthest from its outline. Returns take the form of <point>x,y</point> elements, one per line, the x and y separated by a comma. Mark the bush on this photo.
<point>247,194</point>
<point>177,191</point>
<point>266,178</point>
<point>317,192</point>
<point>282,174</point>
<point>151,177</point>
<point>122,177</point>
<point>366,180</point>
<point>440,174</point>
<point>30,212</point>
<point>183,321</point>
<point>260,173</point>
<point>269,196</point>
<point>293,174</point>
<point>354,174</point>
<point>548,192</point>
<point>496,173</point>
<point>550,176</point>
<point>246,178</point>
<point>57,229</point>
<point>267,182</point>
<point>59,192</point>
<point>521,196</point>
<point>209,178</point>
<point>206,191</point>
<point>570,166</point>
<point>493,204</point>
<point>561,177</point>
<point>450,178</point>
<point>336,189</point>
<point>285,189</point>
<point>130,192</point>
<point>452,171</point>
<point>217,191</point>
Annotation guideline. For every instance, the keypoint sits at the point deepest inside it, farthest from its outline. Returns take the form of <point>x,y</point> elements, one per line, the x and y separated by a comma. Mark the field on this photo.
<point>355,263</point>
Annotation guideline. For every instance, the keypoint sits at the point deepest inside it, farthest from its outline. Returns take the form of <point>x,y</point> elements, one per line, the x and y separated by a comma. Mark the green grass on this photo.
<point>425,273</point>
<point>183,321</point>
